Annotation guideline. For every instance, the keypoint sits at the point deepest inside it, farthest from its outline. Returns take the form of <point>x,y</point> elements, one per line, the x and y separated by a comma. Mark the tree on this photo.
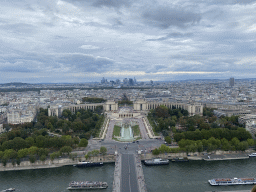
<point>200,147</point>
<point>162,111</point>
<point>243,146</point>
<point>19,143</point>
<point>83,143</point>
<point>42,151</point>
<point>40,141</point>
<point>53,156</point>
<point>32,158</point>
<point>86,156</point>
<point>211,147</point>
<point>179,136</point>
<point>235,142</point>
<point>50,126</point>
<point>76,140</point>
<point>4,161</point>
<point>66,113</point>
<point>65,128</point>
<point>43,158</point>
<point>168,139</point>
<point>18,161</point>
<point>13,162</point>
<point>10,154</point>
<point>225,145</point>
<point>182,143</point>
<point>163,149</point>
<point>95,152</point>
<point>66,149</point>
<point>30,141</point>
<point>38,125</point>
<point>250,142</point>
<point>22,153</point>
<point>156,152</point>
<point>32,150</point>
<point>205,126</point>
<point>103,150</point>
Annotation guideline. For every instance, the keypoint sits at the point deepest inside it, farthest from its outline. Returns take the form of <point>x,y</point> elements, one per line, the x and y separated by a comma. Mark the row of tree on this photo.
<point>209,145</point>
<point>213,144</point>
<point>41,142</point>
<point>217,133</point>
<point>33,153</point>
<point>93,100</point>
<point>95,152</point>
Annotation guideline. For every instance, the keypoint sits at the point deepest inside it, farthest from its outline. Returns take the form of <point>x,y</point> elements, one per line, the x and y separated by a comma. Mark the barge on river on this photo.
<point>88,164</point>
<point>233,181</point>
<point>87,185</point>
<point>180,159</point>
<point>156,162</point>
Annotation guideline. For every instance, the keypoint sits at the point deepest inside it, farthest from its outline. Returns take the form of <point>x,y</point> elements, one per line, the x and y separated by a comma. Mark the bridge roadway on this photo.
<point>128,175</point>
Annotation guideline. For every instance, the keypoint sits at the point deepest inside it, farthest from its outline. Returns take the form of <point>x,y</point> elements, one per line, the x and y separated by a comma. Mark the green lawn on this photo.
<point>136,130</point>
<point>116,131</point>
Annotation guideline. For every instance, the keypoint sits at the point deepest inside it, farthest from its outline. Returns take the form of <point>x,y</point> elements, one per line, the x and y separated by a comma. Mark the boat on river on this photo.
<point>87,185</point>
<point>233,181</point>
<point>180,159</point>
<point>252,155</point>
<point>88,164</point>
<point>8,190</point>
<point>156,162</point>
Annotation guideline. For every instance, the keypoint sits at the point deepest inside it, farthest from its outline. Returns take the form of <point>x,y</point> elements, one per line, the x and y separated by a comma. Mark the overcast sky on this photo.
<point>44,41</point>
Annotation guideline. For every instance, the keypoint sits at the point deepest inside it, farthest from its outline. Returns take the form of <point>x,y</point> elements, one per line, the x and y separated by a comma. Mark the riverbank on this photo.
<point>231,191</point>
<point>25,165</point>
<point>216,156</point>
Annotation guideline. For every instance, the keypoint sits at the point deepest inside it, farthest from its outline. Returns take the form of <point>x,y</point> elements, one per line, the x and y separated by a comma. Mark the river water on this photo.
<point>176,177</point>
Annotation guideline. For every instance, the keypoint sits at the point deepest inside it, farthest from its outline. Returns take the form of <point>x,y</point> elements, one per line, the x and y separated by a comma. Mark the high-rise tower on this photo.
<point>231,82</point>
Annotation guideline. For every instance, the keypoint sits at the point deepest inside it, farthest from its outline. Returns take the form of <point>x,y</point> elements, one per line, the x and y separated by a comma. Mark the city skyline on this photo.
<point>82,41</point>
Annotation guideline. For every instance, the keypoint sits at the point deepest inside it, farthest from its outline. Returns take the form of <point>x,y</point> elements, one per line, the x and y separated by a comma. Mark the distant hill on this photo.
<point>15,84</point>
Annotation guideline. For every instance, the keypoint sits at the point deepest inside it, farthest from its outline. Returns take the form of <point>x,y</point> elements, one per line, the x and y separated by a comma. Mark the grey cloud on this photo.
<point>172,35</point>
<point>85,63</point>
<point>16,69</point>
<point>19,65</point>
<point>112,3</point>
<point>70,62</point>
<point>59,37</point>
<point>230,2</point>
<point>117,22</point>
<point>164,17</point>
<point>105,3</point>
<point>20,28</point>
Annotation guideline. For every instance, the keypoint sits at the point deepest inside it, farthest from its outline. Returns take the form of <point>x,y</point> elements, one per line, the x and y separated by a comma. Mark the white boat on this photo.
<point>8,190</point>
<point>87,185</point>
<point>234,181</point>
<point>156,162</point>
<point>252,155</point>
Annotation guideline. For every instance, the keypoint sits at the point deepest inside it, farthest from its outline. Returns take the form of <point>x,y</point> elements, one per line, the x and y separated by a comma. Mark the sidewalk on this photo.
<point>140,175</point>
<point>25,165</point>
<point>117,174</point>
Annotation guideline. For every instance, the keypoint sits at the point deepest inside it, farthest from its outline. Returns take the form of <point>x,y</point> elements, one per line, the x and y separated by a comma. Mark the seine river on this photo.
<point>177,177</point>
